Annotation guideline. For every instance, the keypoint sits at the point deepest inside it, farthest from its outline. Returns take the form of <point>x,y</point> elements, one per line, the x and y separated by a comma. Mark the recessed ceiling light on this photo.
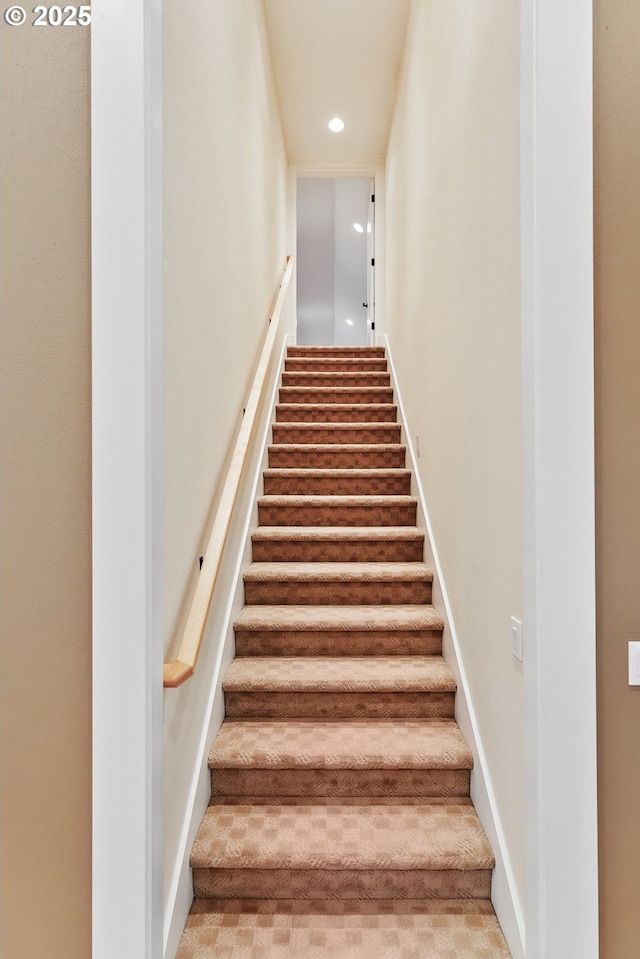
<point>349,322</point>
<point>358,227</point>
<point>336,125</point>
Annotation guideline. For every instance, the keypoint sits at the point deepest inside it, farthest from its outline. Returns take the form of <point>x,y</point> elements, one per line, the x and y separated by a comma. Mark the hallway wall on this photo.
<point>225,182</point>
<point>45,442</point>
<point>617,351</point>
<point>453,318</point>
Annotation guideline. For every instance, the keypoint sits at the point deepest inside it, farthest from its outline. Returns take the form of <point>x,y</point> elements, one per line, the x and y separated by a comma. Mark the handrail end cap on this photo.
<point>176,673</point>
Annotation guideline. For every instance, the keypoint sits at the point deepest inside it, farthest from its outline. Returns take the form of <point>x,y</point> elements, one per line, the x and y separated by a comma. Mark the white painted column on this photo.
<point>557,232</point>
<point>126,92</point>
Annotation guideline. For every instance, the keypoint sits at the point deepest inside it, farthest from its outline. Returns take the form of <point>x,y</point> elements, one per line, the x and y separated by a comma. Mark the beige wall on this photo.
<point>45,700</point>
<point>225,228</point>
<point>225,231</point>
<point>617,302</point>
<point>453,316</point>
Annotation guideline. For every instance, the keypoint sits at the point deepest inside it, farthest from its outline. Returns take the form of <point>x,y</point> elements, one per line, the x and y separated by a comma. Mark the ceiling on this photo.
<point>336,57</point>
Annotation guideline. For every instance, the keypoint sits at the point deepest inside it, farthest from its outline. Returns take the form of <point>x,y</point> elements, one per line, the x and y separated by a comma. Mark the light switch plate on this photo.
<point>634,664</point>
<point>516,638</point>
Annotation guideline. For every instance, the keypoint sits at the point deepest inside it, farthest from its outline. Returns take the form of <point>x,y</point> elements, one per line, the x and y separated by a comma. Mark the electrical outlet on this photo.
<point>516,638</point>
<point>634,664</point>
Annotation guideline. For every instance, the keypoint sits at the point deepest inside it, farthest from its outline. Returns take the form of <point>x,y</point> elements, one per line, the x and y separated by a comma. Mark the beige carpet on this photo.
<point>340,822</point>
<point>299,929</point>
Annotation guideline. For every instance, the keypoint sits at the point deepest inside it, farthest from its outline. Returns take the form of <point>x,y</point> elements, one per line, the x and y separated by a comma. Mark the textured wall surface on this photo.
<point>617,332</point>
<point>45,603</point>
<point>453,316</point>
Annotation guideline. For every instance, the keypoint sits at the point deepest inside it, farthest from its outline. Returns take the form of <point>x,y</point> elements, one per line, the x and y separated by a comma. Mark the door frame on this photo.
<point>557,236</point>
<point>558,381</point>
<point>373,171</point>
<point>127,469</point>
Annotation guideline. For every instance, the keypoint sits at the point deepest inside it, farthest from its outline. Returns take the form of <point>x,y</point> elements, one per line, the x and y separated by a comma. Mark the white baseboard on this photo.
<point>504,896</point>
<point>180,894</point>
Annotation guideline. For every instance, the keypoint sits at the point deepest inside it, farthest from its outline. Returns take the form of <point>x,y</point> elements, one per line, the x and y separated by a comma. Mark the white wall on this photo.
<point>225,246</point>
<point>453,319</point>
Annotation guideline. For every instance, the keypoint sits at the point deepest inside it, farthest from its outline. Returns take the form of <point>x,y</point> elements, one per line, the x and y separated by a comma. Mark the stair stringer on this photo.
<point>504,895</point>
<point>237,558</point>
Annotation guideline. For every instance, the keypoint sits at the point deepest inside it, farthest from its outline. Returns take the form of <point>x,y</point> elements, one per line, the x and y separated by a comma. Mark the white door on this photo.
<point>332,264</point>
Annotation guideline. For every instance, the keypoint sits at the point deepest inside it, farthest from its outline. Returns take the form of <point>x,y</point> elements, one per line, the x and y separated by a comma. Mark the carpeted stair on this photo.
<point>340,822</point>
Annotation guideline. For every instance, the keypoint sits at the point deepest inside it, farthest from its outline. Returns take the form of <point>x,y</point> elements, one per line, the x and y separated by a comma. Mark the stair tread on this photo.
<point>332,407</point>
<point>336,499</point>
<point>285,618</point>
<point>337,572</point>
<point>336,364</point>
<point>337,359</point>
<point>335,350</point>
<point>337,447</point>
<point>351,533</point>
<point>388,744</point>
<point>324,375</point>
<point>343,390</point>
<point>338,617</point>
<point>341,837</point>
<point>328,674</point>
<point>359,929</point>
<point>388,427</point>
<point>328,473</point>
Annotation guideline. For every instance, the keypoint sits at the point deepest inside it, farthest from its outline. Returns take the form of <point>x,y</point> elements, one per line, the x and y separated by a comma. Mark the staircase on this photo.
<point>340,822</point>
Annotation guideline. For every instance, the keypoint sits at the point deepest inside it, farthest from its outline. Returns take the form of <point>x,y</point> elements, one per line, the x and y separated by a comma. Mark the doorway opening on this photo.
<point>335,261</point>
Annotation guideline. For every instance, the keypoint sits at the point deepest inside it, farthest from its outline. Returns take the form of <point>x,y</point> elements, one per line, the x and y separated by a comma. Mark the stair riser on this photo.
<point>327,395</point>
<point>317,351</point>
<point>324,801</point>
<point>282,458</point>
<point>339,593</point>
<point>370,364</point>
<point>343,643</point>
<point>286,515</point>
<point>271,785</point>
<point>336,433</point>
<point>337,486</point>
<point>343,705</point>
<point>342,884</point>
<point>336,379</point>
<point>337,551</point>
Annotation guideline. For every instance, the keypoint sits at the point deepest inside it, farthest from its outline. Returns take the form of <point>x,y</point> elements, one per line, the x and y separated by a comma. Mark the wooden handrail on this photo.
<point>183,666</point>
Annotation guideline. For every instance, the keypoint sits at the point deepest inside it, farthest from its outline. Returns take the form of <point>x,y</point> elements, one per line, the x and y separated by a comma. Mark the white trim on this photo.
<point>557,323</point>
<point>180,885</point>
<point>379,250</point>
<point>504,893</point>
<point>126,89</point>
